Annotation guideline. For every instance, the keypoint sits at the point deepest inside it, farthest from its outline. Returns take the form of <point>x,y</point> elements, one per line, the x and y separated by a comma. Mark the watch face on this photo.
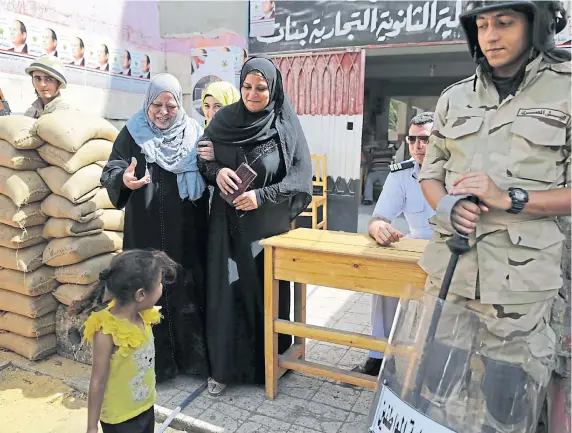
<point>519,195</point>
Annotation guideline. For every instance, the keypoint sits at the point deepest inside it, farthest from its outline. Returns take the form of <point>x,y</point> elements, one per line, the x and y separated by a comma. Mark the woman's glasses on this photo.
<point>423,139</point>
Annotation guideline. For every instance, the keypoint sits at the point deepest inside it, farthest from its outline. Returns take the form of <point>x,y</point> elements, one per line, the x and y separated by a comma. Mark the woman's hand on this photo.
<point>227,180</point>
<point>92,430</point>
<point>130,180</point>
<point>206,150</point>
<point>246,201</point>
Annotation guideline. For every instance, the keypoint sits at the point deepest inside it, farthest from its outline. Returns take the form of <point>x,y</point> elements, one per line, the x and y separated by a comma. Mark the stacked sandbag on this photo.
<point>83,230</point>
<point>27,306</point>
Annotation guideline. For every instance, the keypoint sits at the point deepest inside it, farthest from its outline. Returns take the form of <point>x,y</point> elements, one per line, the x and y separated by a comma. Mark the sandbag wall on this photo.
<point>27,306</point>
<point>77,229</point>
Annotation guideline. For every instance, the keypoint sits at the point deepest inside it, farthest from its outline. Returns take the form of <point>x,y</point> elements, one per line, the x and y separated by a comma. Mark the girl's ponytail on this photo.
<point>95,300</point>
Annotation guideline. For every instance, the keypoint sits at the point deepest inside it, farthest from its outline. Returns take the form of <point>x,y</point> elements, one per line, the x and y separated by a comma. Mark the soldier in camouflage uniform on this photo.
<point>503,135</point>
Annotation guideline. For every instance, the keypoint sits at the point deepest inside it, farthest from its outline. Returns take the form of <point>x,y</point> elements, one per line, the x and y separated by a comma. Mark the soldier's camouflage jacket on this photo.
<point>523,141</point>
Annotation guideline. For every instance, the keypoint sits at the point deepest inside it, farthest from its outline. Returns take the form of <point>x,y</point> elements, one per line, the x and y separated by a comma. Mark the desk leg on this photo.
<point>300,313</point>
<point>270,315</point>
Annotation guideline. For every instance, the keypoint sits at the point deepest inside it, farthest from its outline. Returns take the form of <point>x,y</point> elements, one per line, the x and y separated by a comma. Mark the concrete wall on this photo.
<point>184,18</point>
<point>167,36</point>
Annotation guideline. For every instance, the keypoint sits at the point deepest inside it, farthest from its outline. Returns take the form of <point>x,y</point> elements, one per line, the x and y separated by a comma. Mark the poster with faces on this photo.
<point>88,59</point>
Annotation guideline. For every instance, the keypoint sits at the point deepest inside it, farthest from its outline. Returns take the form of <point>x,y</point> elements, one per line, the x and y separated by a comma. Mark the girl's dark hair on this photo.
<point>128,272</point>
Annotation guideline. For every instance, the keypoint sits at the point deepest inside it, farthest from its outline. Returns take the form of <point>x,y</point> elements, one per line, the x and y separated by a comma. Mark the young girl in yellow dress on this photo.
<point>122,386</point>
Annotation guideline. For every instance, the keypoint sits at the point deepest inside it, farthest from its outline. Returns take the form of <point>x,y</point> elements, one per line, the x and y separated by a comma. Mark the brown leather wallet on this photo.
<point>247,176</point>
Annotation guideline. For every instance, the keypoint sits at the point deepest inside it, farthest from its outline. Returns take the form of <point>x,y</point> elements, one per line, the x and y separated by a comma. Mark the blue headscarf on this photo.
<point>173,149</point>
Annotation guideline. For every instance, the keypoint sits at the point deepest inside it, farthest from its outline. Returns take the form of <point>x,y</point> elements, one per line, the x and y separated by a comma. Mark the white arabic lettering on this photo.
<point>415,18</point>
<point>418,26</point>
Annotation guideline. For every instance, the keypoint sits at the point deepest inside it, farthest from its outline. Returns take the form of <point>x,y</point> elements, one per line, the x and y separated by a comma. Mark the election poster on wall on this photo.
<point>212,64</point>
<point>89,58</point>
<point>209,65</point>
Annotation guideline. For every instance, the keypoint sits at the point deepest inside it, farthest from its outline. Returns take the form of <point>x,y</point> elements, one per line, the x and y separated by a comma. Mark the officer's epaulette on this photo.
<point>466,80</point>
<point>563,68</point>
<point>401,166</point>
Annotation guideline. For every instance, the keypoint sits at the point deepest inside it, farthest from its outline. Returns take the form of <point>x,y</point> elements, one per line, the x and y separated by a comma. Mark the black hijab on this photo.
<point>235,125</point>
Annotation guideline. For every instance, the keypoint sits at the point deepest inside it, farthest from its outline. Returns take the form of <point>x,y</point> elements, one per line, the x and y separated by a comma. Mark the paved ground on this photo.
<point>304,404</point>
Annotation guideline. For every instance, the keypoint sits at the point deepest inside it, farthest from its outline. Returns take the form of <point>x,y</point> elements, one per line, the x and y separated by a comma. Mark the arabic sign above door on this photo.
<point>310,25</point>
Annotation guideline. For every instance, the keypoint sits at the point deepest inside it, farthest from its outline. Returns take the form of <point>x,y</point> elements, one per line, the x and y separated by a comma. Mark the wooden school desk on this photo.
<point>330,259</point>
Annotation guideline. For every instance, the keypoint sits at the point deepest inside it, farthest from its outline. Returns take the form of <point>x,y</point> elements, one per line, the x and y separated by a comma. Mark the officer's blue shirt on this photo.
<point>402,194</point>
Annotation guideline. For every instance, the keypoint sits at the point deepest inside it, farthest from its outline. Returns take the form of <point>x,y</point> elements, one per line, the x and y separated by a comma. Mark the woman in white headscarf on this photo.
<point>152,173</point>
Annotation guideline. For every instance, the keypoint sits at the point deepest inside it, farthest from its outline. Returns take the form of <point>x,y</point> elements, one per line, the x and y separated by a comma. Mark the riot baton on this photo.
<point>458,245</point>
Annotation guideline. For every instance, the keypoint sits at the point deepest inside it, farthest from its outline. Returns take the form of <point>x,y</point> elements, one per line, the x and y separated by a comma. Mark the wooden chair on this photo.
<point>320,182</point>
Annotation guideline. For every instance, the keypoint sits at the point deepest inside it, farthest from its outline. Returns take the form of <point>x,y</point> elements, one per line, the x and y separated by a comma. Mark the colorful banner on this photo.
<point>90,59</point>
<point>209,65</point>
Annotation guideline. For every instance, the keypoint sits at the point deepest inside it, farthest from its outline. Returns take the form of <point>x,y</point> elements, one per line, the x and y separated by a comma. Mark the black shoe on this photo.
<point>367,202</point>
<point>370,367</point>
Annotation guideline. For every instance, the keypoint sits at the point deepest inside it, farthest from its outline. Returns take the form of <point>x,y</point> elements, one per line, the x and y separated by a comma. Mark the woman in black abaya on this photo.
<point>152,173</point>
<point>263,131</point>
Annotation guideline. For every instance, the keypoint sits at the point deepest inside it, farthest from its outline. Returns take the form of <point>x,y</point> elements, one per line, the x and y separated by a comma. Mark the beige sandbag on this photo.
<point>113,220</point>
<point>22,187</point>
<point>69,251</point>
<point>102,199</point>
<point>86,272</point>
<point>19,159</point>
<point>12,237</point>
<point>29,306</point>
<point>36,283</point>
<point>69,293</point>
<point>63,228</point>
<point>25,216</point>
<point>60,207</point>
<point>78,187</point>
<point>26,326</point>
<point>102,164</point>
<point>69,130</point>
<point>25,259</point>
<point>91,152</point>
<point>18,131</point>
<point>32,348</point>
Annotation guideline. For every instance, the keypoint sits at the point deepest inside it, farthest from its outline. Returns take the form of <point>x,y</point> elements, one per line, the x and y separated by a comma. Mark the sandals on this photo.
<point>214,388</point>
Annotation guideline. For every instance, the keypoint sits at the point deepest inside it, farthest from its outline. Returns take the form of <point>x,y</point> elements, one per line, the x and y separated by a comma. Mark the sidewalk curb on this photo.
<point>180,422</point>
<point>185,422</point>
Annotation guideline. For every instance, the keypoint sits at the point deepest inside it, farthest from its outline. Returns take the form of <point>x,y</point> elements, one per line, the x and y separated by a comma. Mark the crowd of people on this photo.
<point>192,230</point>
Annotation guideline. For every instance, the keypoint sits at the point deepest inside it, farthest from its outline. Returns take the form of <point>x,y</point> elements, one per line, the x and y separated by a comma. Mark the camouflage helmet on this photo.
<point>548,19</point>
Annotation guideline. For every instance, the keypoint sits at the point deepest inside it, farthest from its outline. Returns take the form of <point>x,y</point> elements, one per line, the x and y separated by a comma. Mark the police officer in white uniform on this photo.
<point>401,194</point>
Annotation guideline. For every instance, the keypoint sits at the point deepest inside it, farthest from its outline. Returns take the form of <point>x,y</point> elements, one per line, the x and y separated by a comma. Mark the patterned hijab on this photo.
<point>173,149</point>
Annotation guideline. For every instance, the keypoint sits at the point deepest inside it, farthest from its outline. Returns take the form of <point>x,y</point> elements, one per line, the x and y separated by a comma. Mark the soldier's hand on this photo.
<point>385,233</point>
<point>482,186</point>
<point>465,216</point>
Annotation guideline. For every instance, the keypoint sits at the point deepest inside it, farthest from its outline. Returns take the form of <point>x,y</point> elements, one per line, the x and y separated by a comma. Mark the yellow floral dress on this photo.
<point>130,389</point>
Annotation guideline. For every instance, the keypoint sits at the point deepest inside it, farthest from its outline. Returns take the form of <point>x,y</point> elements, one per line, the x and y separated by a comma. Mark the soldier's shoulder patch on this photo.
<point>563,68</point>
<point>458,83</point>
<point>401,166</point>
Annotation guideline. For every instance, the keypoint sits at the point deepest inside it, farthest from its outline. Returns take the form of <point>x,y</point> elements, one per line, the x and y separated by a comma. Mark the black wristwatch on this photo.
<point>519,198</point>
